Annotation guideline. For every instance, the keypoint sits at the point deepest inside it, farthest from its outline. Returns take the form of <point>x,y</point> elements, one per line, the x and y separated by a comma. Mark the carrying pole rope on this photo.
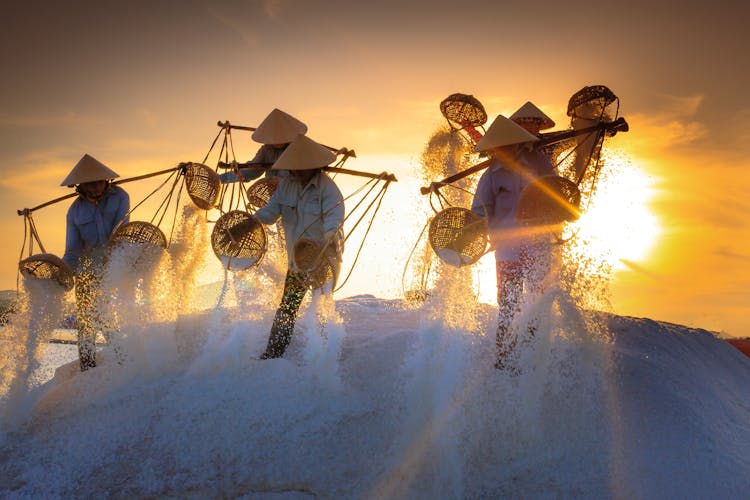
<point>242,197</point>
<point>364,197</point>
<point>150,194</point>
<point>227,149</point>
<point>225,187</point>
<point>375,178</point>
<point>205,158</point>
<point>379,198</point>
<point>30,234</point>
<point>443,201</point>
<point>425,275</point>
<point>176,209</point>
<point>164,205</point>
<point>34,235</point>
<point>20,258</point>
<point>168,199</point>
<point>222,151</point>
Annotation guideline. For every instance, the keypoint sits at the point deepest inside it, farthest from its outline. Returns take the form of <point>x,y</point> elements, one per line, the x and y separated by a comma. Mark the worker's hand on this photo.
<point>329,235</point>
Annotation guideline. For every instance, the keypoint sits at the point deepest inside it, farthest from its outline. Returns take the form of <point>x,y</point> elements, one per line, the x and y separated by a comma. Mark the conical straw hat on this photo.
<point>503,132</point>
<point>529,112</point>
<point>278,128</point>
<point>304,154</point>
<point>88,169</point>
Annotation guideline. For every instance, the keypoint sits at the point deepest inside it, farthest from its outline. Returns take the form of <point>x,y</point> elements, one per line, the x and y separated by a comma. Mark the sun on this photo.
<point>617,224</point>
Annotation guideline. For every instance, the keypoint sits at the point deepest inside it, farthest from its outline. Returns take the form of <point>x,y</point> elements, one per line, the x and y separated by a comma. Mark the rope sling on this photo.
<point>238,239</point>
<point>147,233</point>
<point>41,266</point>
<point>375,202</point>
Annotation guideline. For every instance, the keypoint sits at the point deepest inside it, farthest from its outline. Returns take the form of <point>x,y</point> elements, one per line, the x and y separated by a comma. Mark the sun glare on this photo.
<point>617,224</point>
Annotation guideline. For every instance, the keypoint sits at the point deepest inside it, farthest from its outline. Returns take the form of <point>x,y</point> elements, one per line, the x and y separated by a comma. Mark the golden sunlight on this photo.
<point>617,225</point>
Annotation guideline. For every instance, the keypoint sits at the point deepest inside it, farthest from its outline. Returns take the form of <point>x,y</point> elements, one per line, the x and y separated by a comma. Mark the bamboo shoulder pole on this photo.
<point>384,175</point>
<point>619,125</point>
<point>27,211</point>
<point>266,166</point>
<point>455,177</point>
<point>229,126</point>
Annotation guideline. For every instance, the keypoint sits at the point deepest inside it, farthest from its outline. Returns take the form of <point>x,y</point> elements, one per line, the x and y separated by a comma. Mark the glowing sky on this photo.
<point>141,84</point>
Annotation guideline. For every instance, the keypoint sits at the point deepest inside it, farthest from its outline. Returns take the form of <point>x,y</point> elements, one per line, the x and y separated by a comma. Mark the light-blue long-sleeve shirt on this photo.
<point>89,225</point>
<point>306,211</point>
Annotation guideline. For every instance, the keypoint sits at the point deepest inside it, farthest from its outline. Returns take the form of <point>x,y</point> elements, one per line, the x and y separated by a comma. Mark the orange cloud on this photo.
<point>38,174</point>
<point>731,254</point>
<point>633,266</point>
<point>668,123</point>
<point>651,136</point>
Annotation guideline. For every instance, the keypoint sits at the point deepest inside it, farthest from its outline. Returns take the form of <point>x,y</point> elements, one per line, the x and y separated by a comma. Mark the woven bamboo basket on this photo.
<point>261,191</point>
<point>458,236</point>
<point>203,185</point>
<point>591,103</point>
<point>549,200</point>
<point>463,110</point>
<point>239,240</point>
<point>139,233</point>
<point>45,266</point>
<point>315,261</point>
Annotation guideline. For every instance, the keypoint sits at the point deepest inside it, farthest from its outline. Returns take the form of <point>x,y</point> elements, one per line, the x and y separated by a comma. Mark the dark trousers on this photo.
<point>509,290</point>
<point>88,290</point>
<point>295,289</point>
<point>513,278</point>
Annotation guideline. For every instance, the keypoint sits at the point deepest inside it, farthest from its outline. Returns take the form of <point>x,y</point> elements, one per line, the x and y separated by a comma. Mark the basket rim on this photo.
<point>241,217</point>
<point>162,239</point>
<point>473,220</point>
<point>63,275</point>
